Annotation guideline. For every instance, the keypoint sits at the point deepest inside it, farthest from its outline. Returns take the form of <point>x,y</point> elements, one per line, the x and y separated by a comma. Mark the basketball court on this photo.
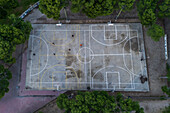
<point>87,57</point>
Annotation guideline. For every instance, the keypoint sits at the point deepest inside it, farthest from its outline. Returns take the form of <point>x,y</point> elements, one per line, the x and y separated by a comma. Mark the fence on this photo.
<point>24,14</point>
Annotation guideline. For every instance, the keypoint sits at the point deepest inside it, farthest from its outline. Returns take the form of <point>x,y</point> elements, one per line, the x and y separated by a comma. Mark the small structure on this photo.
<point>110,23</point>
<point>59,24</point>
<point>166,48</point>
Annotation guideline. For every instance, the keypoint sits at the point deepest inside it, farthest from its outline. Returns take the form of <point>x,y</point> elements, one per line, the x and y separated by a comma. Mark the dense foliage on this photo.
<point>165,89</point>
<point>8,4</point>
<point>96,8</point>
<point>164,9</point>
<point>168,72</point>
<point>24,26</point>
<point>146,11</point>
<point>97,102</point>
<point>125,4</point>
<point>92,8</point>
<point>12,35</point>
<point>155,32</point>
<point>5,76</point>
<point>52,7</point>
<point>3,13</point>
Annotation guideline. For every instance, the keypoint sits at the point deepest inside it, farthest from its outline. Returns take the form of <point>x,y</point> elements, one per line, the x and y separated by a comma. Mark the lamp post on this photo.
<point>120,12</point>
<point>67,21</point>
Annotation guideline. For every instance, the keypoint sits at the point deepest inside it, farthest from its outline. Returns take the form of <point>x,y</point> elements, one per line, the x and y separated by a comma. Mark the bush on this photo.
<point>166,90</point>
<point>155,32</point>
<point>5,76</point>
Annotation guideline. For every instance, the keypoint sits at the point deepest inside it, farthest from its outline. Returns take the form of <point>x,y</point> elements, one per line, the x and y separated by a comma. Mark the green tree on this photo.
<point>146,11</point>
<point>9,38</point>
<point>52,7</point>
<point>3,13</point>
<point>17,32</point>
<point>97,101</point>
<point>96,8</point>
<point>5,76</point>
<point>6,50</point>
<point>155,32</point>
<point>166,90</point>
<point>8,4</point>
<point>148,17</point>
<point>18,23</point>
<point>168,71</point>
<point>77,5</point>
<point>125,4</point>
<point>164,9</point>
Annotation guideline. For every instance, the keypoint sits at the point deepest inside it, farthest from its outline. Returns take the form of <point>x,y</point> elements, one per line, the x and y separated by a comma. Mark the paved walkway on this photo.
<point>13,103</point>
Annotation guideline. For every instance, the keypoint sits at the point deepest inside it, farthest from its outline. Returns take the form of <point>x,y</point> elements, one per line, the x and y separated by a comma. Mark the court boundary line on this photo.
<point>90,30</point>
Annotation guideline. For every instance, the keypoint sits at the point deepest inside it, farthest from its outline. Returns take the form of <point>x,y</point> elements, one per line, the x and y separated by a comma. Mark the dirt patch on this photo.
<point>70,59</point>
<point>127,47</point>
<point>79,73</point>
<point>134,45</point>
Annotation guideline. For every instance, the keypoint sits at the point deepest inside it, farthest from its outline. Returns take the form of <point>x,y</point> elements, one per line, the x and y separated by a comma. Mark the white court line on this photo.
<point>110,67</point>
<point>132,79</point>
<point>108,54</point>
<point>124,89</point>
<point>57,86</point>
<point>106,81</point>
<point>124,57</point>
<point>104,33</point>
<point>107,44</point>
<point>82,83</point>
<point>31,54</point>
<point>85,57</point>
<point>116,31</point>
<point>104,65</point>
<point>79,52</point>
<point>79,30</point>
<point>118,76</point>
<point>90,62</point>
<point>47,56</point>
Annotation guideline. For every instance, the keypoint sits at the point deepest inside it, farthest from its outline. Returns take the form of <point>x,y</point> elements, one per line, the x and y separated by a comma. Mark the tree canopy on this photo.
<point>164,9</point>
<point>96,8</point>
<point>125,4</point>
<point>3,13</point>
<point>24,26</point>
<point>97,102</point>
<point>12,35</point>
<point>5,76</point>
<point>155,32</point>
<point>52,7</point>
<point>8,4</point>
<point>146,11</point>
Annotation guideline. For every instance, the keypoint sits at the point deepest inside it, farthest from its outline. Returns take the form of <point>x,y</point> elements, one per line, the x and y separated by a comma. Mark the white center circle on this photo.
<point>85,55</point>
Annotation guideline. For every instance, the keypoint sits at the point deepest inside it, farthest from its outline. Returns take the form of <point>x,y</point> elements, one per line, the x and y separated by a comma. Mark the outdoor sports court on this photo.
<point>87,57</point>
